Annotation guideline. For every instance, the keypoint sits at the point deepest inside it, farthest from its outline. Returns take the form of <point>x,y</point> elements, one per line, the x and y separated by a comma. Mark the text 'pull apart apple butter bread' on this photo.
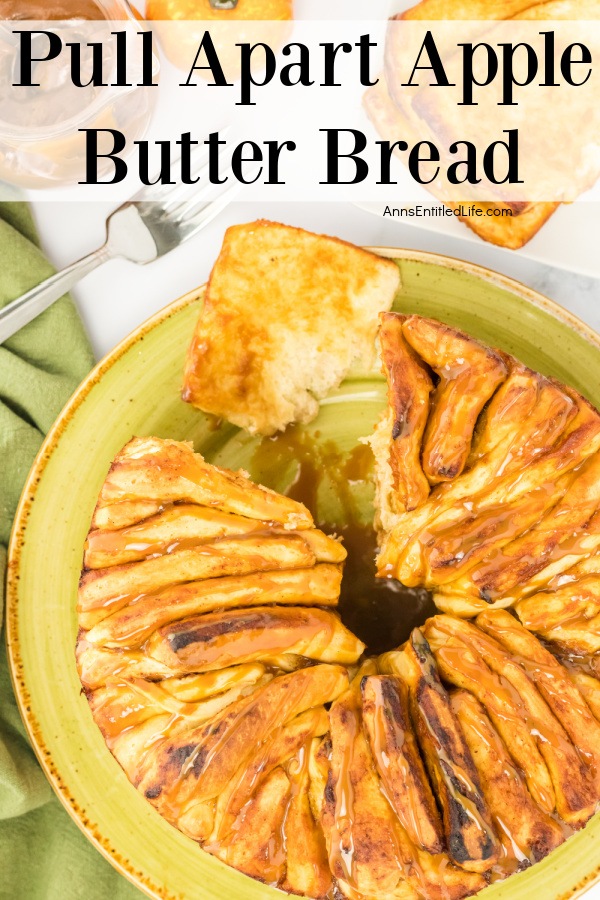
<point>248,715</point>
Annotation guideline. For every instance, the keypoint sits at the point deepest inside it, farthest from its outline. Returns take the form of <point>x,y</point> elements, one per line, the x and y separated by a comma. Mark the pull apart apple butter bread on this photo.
<point>249,716</point>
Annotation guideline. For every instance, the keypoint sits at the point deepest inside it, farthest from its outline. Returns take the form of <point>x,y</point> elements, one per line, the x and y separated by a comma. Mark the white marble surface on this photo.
<point>118,297</point>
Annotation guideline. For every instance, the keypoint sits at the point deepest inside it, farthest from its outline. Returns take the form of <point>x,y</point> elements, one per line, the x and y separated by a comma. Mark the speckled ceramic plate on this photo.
<point>135,390</point>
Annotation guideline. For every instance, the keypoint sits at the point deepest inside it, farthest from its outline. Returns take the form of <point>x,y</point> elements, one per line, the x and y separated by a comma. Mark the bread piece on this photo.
<point>470,838</point>
<point>461,666</point>
<point>246,714</point>
<point>201,643</point>
<point>553,683</point>
<point>149,473</point>
<point>568,616</point>
<point>469,373</point>
<point>527,833</point>
<point>307,871</point>
<point>574,791</point>
<point>409,389</point>
<point>282,744</point>
<point>370,853</point>
<point>393,744</point>
<point>512,516</point>
<point>286,315</point>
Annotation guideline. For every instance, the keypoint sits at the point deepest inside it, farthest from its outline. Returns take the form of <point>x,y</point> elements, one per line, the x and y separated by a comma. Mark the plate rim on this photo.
<point>126,867</point>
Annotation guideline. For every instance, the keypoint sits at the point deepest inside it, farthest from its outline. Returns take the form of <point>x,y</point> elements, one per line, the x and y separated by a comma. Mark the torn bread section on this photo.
<point>286,315</point>
<point>487,482</point>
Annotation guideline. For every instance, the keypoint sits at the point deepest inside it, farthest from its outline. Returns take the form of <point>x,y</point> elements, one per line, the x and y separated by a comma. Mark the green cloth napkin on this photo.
<point>43,855</point>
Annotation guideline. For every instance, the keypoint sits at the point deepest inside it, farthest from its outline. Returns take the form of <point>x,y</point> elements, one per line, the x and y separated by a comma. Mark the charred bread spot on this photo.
<point>153,792</point>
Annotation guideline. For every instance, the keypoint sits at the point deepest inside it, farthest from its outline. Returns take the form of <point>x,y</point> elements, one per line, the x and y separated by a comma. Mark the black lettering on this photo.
<point>508,75</point>
<point>26,58</point>
<point>387,151</point>
<point>95,79</point>
<point>364,45</point>
<point>512,151</point>
<point>567,61</point>
<point>303,66</point>
<point>274,151</point>
<point>186,143</point>
<point>213,143</point>
<point>247,79</point>
<point>238,161</point>
<point>415,160</point>
<point>468,76</point>
<point>212,59</point>
<point>361,168</point>
<point>331,51</point>
<point>435,64</point>
<point>121,55</point>
<point>470,164</point>
<point>164,174</point>
<point>549,68</point>
<point>92,155</point>
<point>147,60</point>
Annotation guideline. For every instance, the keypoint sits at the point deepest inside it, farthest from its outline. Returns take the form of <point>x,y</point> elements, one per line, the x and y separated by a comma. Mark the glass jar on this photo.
<point>42,137</point>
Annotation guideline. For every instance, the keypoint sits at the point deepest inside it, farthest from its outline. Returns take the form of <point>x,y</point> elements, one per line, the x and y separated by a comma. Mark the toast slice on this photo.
<point>287,313</point>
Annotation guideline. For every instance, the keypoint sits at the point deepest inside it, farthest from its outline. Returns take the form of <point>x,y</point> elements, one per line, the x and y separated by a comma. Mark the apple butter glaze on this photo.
<point>386,752</point>
<point>382,612</point>
<point>58,10</point>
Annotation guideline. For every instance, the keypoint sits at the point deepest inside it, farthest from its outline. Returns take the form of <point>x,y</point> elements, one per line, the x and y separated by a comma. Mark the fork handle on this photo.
<point>21,311</point>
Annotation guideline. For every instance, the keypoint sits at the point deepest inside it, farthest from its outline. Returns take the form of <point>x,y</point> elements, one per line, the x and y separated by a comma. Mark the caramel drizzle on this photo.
<point>341,854</point>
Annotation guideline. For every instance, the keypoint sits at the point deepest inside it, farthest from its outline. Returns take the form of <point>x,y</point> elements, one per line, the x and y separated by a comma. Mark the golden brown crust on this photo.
<point>278,297</point>
<point>470,838</point>
<point>362,851</point>
<point>468,373</point>
<point>409,387</point>
<point>134,624</point>
<point>307,867</point>
<point>413,116</point>
<point>510,231</point>
<point>572,781</point>
<point>182,573</point>
<point>553,683</point>
<point>159,472</point>
<point>199,764</point>
<point>255,844</point>
<point>569,616</point>
<point>519,514</point>
<point>393,745</point>
<point>201,643</point>
<point>459,665</point>
<point>527,833</point>
<point>281,747</point>
<point>228,702</point>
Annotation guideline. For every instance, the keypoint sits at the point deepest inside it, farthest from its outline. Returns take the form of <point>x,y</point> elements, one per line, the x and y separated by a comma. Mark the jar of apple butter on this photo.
<point>42,125</point>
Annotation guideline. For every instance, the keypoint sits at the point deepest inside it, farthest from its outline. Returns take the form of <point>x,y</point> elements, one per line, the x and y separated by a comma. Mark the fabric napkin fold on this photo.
<point>43,855</point>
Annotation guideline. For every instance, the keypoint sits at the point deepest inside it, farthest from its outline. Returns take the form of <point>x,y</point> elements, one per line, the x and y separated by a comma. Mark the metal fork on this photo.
<point>141,230</point>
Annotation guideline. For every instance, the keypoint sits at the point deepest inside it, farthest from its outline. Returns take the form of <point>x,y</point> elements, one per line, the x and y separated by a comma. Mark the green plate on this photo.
<point>135,391</point>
